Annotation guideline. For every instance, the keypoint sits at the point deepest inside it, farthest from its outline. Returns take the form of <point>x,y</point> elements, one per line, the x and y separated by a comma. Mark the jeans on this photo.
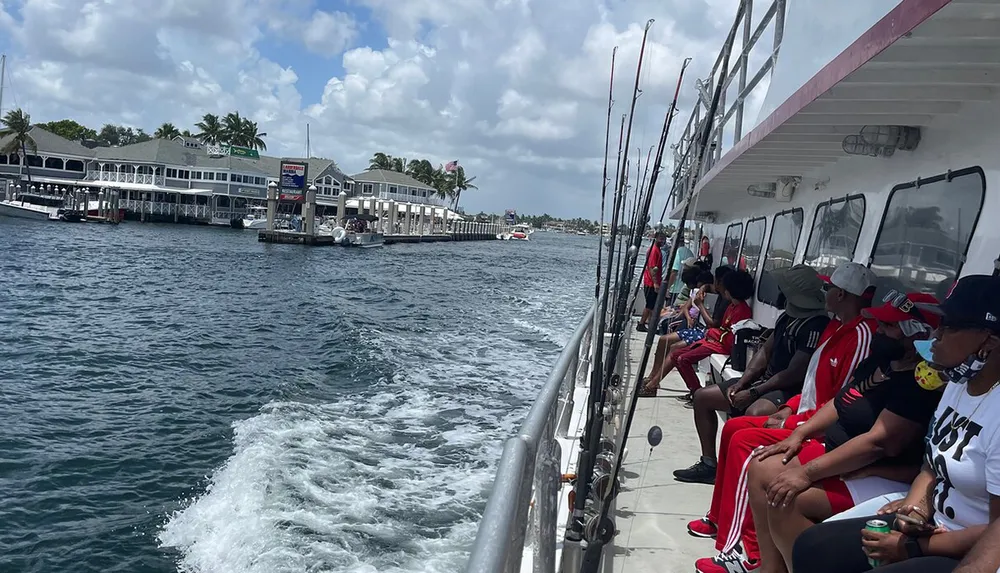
<point>835,547</point>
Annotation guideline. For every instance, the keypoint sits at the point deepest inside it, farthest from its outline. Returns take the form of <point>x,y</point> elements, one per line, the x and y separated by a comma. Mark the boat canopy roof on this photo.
<point>917,66</point>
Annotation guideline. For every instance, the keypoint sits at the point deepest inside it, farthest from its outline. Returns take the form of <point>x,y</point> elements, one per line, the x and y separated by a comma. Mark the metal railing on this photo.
<point>122,177</point>
<point>685,153</point>
<point>531,464</point>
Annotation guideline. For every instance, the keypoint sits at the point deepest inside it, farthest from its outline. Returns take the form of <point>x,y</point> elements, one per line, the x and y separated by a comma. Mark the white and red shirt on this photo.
<point>842,347</point>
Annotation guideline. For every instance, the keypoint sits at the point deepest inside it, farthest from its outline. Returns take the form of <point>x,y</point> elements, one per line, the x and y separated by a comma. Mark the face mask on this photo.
<point>887,349</point>
<point>927,377</point>
<point>960,374</point>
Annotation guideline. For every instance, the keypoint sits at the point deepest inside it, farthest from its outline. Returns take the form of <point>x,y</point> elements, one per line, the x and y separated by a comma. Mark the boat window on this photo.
<point>834,235</point>
<point>731,246</point>
<point>925,232</point>
<point>753,243</point>
<point>785,231</point>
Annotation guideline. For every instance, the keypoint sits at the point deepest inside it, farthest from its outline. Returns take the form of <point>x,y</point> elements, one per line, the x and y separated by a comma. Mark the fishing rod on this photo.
<point>605,528</point>
<point>604,185</point>
<point>622,313</point>
<point>592,432</point>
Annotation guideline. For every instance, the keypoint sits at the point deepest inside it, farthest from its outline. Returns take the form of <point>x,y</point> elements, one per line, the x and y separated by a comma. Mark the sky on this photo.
<point>515,90</point>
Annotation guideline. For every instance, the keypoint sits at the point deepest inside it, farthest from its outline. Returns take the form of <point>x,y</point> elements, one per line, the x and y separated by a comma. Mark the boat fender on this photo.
<point>339,234</point>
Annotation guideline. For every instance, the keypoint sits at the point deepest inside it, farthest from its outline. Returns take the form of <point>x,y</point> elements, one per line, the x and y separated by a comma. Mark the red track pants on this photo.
<point>685,358</point>
<point>730,510</point>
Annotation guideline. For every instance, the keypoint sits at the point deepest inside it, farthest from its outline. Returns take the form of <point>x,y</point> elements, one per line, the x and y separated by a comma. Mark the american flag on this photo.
<point>451,166</point>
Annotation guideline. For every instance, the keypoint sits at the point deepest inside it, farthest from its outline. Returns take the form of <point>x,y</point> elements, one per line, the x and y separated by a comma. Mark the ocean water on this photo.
<point>178,398</point>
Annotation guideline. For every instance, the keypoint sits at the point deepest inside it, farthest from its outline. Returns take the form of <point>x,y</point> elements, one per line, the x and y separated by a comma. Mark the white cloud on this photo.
<point>514,89</point>
<point>329,33</point>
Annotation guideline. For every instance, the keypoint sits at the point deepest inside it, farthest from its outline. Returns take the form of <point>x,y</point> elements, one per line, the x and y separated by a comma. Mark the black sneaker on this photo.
<point>698,473</point>
<point>641,328</point>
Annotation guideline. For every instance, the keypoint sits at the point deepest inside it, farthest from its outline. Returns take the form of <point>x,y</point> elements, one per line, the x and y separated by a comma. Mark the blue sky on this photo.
<point>514,89</point>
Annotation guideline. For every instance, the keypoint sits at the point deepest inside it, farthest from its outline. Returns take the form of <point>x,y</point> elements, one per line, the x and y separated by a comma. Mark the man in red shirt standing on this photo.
<point>651,278</point>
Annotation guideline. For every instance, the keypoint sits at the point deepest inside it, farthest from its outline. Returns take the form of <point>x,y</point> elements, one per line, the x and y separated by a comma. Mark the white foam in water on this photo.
<point>390,482</point>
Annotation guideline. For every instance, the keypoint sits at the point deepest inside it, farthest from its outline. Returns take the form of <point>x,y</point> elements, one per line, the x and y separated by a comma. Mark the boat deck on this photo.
<point>653,509</point>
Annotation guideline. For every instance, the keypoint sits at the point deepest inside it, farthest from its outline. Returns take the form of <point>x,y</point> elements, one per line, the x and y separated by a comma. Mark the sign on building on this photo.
<point>511,217</point>
<point>292,185</point>
<point>237,151</point>
<point>234,150</point>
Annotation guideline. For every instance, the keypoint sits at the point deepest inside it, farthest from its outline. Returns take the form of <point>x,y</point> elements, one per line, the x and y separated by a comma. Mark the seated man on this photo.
<point>876,425</point>
<point>775,373</point>
<point>737,288</point>
<point>843,345</point>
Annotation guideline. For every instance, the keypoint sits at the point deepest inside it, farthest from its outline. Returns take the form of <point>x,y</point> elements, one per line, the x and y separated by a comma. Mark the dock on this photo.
<point>652,510</point>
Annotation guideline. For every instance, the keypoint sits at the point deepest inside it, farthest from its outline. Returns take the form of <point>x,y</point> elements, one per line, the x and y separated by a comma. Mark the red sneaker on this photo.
<point>702,528</point>
<point>735,561</point>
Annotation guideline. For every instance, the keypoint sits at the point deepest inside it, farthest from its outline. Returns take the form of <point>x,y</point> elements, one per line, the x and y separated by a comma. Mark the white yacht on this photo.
<point>32,206</point>
<point>256,218</point>
<point>875,142</point>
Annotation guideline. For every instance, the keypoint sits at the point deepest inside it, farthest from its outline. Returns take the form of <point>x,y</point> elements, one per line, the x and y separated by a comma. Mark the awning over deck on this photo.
<point>918,66</point>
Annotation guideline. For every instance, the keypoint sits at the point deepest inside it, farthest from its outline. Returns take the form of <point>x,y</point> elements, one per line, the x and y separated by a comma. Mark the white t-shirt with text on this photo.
<point>965,456</point>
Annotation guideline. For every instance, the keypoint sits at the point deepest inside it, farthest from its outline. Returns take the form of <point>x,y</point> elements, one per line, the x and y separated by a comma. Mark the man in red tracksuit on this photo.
<point>843,345</point>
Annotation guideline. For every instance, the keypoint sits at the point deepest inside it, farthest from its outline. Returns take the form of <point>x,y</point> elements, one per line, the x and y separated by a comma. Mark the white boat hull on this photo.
<point>364,240</point>
<point>28,211</point>
<point>255,224</point>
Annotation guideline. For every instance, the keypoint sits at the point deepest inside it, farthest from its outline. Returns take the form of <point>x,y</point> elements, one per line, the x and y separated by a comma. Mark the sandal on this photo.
<point>648,391</point>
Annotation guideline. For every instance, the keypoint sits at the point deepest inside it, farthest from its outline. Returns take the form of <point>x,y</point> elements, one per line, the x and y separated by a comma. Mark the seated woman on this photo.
<point>689,278</point>
<point>665,343</point>
<point>737,287</point>
<point>957,493</point>
<point>875,424</point>
<point>686,317</point>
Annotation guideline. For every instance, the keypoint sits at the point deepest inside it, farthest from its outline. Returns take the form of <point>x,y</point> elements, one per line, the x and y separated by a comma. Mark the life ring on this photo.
<point>339,235</point>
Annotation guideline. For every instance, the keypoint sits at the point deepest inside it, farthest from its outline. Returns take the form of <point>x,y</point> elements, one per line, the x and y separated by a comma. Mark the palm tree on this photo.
<point>380,161</point>
<point>461,184</point>
<point>249,137</point>
<point>399,164</point>
<point>210,129</point>
<point>422,171</point>
<point>187,133</point>
<point>17,126</point>
<point>444,184</point>
<point>166,131</point>
<point>232,129</point>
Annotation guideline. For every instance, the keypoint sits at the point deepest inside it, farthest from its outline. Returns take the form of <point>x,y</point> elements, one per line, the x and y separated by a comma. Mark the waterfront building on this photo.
<point>184,180</point>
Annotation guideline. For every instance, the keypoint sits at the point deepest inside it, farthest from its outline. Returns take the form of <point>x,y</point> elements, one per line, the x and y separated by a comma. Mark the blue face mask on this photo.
<point>960,374</point>
<point>924,349</point>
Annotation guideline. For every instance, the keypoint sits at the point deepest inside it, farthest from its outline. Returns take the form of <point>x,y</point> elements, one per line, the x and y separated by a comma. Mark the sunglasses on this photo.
<point>900,301</point>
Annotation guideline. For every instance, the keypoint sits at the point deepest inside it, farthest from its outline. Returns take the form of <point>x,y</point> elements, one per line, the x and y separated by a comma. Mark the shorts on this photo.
<point>691,335</point>
<point>776,397</point>
<point>836,489</point>
<point>650,293</point>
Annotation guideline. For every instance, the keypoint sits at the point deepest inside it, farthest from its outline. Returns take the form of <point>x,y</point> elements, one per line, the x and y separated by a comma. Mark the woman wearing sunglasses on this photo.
<point>873,429</point>
<point>957,493</point>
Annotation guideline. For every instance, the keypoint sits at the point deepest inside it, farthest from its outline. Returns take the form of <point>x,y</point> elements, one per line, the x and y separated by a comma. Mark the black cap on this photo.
<point>974,302</point>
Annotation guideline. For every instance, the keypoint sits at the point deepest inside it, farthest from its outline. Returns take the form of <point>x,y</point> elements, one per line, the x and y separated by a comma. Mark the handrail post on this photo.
<point>497,530</point>
<point>547,481</point>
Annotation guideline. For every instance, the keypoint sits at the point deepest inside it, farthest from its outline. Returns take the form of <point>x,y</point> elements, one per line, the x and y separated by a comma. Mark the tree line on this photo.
<point>230,129</point>
<point>447,183</point>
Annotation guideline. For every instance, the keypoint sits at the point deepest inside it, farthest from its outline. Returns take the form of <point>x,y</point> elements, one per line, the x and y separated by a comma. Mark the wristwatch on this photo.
<point>912,546</point>
<point>754,393</point>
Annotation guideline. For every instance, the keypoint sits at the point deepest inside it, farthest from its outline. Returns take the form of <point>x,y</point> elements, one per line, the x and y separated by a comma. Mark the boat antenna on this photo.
<point>605,529</point>
<point>592,432</point>
<point>3,76</point>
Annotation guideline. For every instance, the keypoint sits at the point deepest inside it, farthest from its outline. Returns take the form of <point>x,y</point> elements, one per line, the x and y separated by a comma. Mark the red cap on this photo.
<point>892,314</point>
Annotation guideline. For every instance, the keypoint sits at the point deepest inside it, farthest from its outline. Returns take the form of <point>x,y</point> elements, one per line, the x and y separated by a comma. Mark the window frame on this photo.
<point>770,239</point>
<point>861,225</point>
<point>916,184</point>
<point>743,243</point>
<point>725,240</point>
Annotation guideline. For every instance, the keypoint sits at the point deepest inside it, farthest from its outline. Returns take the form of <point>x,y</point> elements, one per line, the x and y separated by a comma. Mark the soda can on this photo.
<point>881,526</point>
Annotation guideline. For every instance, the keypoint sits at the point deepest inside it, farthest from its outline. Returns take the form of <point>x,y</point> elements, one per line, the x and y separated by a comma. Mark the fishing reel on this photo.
<point>603,486</point>
<point>615,380</point>
<point>604,462</point>
<point>607,445</point>
<point>614,396</point>
<point>599,530</point>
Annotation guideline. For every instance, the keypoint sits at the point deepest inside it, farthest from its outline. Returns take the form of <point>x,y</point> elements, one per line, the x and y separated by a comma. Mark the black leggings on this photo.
<point>835,547</point>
